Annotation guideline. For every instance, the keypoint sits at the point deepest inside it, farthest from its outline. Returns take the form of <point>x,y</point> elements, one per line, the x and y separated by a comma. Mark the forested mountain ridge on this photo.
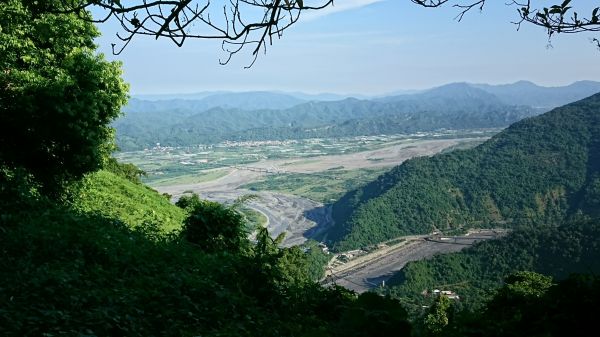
<point>179,123</point>
<point>541,170</point>
<point>453,91</point>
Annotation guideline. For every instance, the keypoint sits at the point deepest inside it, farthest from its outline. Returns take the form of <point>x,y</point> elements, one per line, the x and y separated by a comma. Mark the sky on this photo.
<point>367,47</point>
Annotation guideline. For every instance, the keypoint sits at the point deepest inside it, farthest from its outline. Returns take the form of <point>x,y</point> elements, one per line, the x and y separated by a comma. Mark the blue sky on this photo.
<point>367,47</point>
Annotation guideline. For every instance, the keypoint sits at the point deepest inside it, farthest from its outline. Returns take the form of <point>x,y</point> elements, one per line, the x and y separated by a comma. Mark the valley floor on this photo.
<point>289,210</point>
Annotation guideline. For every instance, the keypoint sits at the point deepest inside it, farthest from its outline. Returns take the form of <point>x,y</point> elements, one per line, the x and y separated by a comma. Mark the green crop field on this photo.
<point>190,178</point>
<point>254,218</point>
<point>324,187</point>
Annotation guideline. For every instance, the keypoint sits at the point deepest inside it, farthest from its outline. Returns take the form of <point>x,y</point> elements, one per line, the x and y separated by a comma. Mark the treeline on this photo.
<point>539,171</point>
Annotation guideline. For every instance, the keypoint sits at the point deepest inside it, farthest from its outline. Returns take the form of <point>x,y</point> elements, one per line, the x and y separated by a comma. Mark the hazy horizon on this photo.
<point>349,94</point>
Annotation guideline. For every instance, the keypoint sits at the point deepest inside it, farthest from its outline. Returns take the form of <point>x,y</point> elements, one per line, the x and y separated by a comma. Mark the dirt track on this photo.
<point>372,272</point>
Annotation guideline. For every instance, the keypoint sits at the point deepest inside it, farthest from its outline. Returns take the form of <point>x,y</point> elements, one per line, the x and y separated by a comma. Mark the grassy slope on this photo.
<point>111,196</point>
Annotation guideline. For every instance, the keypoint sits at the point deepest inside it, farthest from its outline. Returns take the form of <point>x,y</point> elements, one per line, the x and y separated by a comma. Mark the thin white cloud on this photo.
<point>338,6</point>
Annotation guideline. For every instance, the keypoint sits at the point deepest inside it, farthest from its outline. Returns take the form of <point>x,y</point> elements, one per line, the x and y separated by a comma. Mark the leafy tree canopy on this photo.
<point>57,96</point>
<point>213,226</point>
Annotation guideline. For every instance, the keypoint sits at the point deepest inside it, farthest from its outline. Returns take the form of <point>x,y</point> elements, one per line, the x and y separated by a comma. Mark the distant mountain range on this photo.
<point>217,116</point>
<point>518,93</point>
<point>249,99</point>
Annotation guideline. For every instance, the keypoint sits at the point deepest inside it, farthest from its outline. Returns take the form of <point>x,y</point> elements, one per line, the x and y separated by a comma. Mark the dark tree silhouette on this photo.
<point>564,17</point>
<point>237,23</point>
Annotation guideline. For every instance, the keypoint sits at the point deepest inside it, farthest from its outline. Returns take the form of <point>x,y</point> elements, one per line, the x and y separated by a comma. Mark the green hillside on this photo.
<point>102,264</point>
<point>86,272</point>
<point>109,195</point>
<point>477,272</point>
<point>541,170</point>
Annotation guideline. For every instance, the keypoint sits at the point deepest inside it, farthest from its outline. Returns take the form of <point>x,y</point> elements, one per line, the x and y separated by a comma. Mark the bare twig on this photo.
<point>239,23</point>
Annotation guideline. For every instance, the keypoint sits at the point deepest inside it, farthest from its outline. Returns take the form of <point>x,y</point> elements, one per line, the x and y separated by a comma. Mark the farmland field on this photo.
<point>326,186</point>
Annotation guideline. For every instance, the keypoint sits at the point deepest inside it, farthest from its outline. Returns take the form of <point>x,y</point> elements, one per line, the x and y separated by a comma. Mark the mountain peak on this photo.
<point>459,90</point>
<point>523,83</point>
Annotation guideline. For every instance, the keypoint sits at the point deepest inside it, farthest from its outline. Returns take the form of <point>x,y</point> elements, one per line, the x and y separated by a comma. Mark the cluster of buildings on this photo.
<point>447,293</point>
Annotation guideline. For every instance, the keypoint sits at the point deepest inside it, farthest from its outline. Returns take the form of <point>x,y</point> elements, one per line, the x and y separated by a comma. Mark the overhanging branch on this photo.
<point>238,23</point>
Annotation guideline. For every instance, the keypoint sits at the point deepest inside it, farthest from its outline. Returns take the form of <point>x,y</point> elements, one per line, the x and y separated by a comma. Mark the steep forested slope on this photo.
<point>539,171</point>
<point>109,195</point>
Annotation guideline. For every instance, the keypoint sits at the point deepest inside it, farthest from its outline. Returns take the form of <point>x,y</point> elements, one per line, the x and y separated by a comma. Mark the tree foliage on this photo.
<point>124,170</point>
<point>566,16</point>
<point>57,97</point>
<point>529,304</point>
<point>212,226</point>
<point>436,317</point>
<point>237,23</point>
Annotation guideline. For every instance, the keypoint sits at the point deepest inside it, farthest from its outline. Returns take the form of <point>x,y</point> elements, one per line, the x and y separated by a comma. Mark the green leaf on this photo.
<point>300,3</point>
<point>279,239</point>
